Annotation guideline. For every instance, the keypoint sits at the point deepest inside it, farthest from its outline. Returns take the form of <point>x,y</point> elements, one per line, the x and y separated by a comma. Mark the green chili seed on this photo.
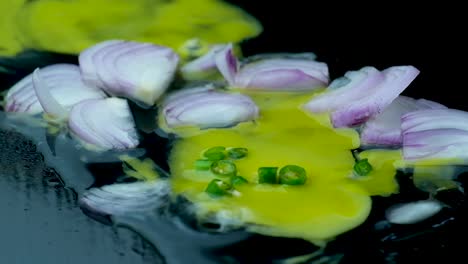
<point>362,167</point>
<point>224,168</point>
<point>237,153</point>
<point>215,153</point>
<point>238,180</point>
<point>267,174</point>
<point>218,188</point>
<point>292,175</point>
<point>203,164</point>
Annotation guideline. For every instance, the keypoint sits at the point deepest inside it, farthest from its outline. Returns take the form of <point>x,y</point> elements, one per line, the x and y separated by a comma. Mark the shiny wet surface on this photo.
<point>42,223</point>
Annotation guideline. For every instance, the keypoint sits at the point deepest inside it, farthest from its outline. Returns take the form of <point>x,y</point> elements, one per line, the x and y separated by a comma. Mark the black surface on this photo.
<point>350,35</point>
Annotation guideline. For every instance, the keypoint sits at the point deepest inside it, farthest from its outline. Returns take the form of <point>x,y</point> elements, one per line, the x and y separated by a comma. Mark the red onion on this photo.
<point>104,123</point>
<point>206,107</point>
<point>385,128</point>
<point>125,198</point>
<point>287,73</point>
<point>435,134</point>
<point>434,119</point>
<point>138,71</point>
<point>203,66</point>
<point>352,86</point>
<point>363,94</point>
<point>60,82</point>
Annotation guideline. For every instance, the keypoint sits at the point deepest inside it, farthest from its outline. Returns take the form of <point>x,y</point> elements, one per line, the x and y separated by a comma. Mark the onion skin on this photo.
<point>138,71</point>
<point>385,128</point>
<point>104,124</point>
<point>64,84</point>
<point>365,94</point>
<point>277,74</point>
<point>435,134</point>
<point>205,107</point>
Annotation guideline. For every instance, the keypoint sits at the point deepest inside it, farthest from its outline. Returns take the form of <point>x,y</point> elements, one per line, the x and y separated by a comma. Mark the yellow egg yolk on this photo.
<point>332,200</point>
<point>71,26</point>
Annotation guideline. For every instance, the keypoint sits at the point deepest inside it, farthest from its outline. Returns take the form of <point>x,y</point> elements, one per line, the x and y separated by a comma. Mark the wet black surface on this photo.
<point>42,223</point>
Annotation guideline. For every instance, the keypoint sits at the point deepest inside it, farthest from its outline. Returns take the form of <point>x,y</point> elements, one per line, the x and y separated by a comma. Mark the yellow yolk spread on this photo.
<point>71,26</point>
<point>331,202</point>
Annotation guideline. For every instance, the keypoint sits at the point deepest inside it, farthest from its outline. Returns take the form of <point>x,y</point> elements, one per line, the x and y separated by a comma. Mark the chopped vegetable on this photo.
<point>215,153</point>
<point>224,168</point>
<point>203,164</point>
<point>237,153</point>
<point>267,175</point>
<point>206,107</point>
<point>104,123</point>
<point>292,175</point>
<point>286,73</point>
<point>238,180</point>
<point>126,198</point>
<point>218,188</point>
<point>61,83</point>
<point>203,66</point>
<point>362,167</point>
<point>364,96</point>
<point>385,128</point>
<point>435,134</point>
<point>45,98</point>
<point>138,71</point>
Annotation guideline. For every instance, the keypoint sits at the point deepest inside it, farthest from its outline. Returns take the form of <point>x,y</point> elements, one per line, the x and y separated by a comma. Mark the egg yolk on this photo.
<point>71,26</point>
<point>332,200</point>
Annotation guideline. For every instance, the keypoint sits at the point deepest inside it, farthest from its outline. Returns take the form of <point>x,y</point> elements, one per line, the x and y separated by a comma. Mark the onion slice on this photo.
<point>86,60</point>
<point>385,128</point>
<point>411,213</point>
<point>352,86</point>
<point>104,123</point>
<point>46,99</point>
<point>124,198</point>
<point>361,95</point>
<point>203,66</point>
<point>434,119</point>
<point>61,83</point>
<point>206,107</point>
<point>138,71</point>
<point>291,73</point>
<point>435,134</point>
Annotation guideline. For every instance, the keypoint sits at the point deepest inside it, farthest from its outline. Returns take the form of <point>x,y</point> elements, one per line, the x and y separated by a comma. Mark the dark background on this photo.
<point>430,37</point>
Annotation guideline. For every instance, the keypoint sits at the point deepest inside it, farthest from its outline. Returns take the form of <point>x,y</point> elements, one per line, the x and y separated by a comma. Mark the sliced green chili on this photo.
<point>218,188</point>
<point>292,175</point>
<point>267,174</point>
<point>224,168</point>
<point>215,153</point>
<point>203,164</point>
<point>238,180</point>
<point>362,167</point>
<point>237,153</point>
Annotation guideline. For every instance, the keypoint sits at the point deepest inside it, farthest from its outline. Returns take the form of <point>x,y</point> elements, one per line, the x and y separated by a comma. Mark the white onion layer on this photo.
<point>206,107</point>
<point>138,71</point>
<point>290,73</point>
<point>104,123</point>
<point>61,82</point>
